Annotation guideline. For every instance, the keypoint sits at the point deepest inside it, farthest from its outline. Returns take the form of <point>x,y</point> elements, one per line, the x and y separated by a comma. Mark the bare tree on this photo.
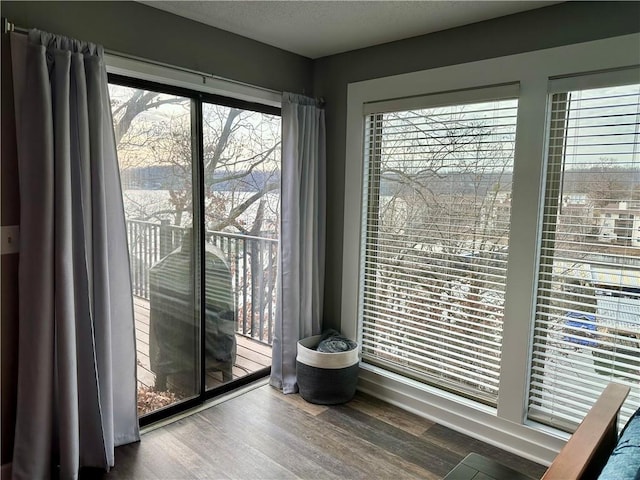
<point>241,150</point>
<point>240,170</point>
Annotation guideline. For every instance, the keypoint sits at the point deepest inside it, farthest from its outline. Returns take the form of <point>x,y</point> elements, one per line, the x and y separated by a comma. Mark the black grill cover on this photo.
<point>173,325</point>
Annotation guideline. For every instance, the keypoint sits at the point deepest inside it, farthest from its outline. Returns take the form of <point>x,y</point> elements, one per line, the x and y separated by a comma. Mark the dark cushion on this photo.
<point>624,462</point>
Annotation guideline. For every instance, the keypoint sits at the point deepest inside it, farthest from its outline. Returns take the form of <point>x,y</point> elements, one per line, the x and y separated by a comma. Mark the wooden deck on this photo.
<point>251,354</point>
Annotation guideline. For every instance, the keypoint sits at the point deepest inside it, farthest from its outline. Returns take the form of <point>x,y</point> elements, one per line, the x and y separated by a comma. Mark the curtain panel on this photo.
<point>302,237</point>
<point>76,370</point>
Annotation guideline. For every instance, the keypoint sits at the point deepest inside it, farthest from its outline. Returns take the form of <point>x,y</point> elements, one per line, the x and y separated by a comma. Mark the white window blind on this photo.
<point>436,211</point>
<point>587,328</point>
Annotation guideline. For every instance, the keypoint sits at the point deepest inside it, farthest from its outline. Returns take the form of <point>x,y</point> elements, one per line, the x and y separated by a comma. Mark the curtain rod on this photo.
<point>8,26</point>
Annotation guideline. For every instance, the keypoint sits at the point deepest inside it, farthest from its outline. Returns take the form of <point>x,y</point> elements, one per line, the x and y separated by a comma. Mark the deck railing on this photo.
<point>252,261</point>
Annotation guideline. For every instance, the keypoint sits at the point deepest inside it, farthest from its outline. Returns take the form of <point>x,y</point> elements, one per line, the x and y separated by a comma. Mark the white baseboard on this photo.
<point>5,471</point>
<point>477,421</point>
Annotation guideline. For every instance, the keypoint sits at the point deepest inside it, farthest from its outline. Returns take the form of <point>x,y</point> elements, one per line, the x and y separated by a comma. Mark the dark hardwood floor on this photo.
<point>263,434</point>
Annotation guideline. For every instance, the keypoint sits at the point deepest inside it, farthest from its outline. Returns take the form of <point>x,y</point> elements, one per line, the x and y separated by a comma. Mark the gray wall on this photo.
<point>139,30</point>
<point>562,24</point>
<point>149,33</point>
<point>10,215</point>
<point>146,32</point>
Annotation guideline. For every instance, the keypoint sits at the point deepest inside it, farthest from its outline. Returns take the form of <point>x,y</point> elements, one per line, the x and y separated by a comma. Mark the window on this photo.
<point>437,209</point>
<point>201,188</point>
<point>410,274</point>
<point>587,327</point>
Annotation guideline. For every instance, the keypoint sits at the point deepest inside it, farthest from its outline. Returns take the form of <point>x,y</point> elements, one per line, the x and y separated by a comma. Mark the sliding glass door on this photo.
<point>241,172</point>
<point>201,188</point>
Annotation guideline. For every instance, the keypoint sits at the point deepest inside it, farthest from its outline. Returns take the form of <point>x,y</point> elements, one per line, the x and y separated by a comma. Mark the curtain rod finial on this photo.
<point>7,26</point>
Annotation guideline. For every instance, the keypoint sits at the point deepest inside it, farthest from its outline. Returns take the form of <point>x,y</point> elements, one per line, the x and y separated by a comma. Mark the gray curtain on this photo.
<point>302,237</point>
<point>77,365</point>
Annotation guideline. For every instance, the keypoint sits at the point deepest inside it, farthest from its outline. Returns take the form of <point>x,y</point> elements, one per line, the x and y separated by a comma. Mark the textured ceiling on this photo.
<point>319,28</point>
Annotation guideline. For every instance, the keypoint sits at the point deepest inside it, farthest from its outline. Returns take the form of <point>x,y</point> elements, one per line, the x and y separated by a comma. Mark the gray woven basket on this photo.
<point>326,378</point>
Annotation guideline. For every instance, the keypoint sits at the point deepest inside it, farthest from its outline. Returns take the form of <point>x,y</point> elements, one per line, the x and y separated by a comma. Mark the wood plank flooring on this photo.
<point>263,434</point>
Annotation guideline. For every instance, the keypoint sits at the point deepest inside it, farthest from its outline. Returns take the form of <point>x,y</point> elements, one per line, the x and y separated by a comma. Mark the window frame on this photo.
<point>190,80</point>
<point>134,79</point>
<point>505,426</point>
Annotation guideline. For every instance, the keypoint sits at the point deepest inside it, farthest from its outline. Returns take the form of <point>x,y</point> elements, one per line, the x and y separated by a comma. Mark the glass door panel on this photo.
<point>241,155</point>
<point>153,133</point>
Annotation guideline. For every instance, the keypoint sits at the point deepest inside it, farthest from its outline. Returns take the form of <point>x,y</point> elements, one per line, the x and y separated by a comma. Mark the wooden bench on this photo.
<point>583,456</point>
<point>587,451</point>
